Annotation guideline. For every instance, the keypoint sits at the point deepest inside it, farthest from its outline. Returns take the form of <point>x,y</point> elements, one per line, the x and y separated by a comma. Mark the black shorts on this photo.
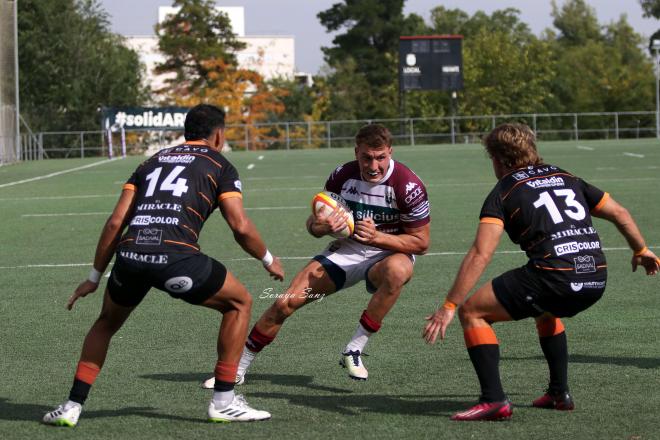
<point>192,278</point>
<point>526,292</point>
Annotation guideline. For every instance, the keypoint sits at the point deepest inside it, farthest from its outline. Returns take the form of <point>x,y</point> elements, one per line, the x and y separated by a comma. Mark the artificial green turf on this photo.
<point>149,386</point>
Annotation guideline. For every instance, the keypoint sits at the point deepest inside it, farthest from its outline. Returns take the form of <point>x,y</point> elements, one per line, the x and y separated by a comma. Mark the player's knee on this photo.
<point>466,313</point>
<point>396,275</point>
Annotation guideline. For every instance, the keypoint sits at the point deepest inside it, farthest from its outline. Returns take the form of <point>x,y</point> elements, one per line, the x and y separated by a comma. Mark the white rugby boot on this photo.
<point>67,414</point>
<point>352,361</point>
<point>237,411</point>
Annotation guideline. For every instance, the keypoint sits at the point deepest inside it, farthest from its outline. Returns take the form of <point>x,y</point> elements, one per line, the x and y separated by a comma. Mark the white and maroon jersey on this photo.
<point>399,200</point>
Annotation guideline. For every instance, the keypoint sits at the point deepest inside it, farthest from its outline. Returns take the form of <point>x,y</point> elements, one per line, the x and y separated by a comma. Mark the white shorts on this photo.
<point>347,262</point>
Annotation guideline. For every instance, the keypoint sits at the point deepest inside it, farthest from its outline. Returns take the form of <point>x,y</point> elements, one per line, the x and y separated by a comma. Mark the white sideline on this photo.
<point>641,156</point>
<point>582,147</point>
<point>70,170</point>
<point>430,254</point>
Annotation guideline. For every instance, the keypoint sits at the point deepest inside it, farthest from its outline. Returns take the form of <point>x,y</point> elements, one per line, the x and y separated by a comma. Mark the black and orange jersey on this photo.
<point>547,211</point>
<point>177,190</point>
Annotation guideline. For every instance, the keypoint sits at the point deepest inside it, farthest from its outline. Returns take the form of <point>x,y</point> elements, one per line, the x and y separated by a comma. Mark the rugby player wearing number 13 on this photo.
<point>165,204</point>
<point>547,211</point>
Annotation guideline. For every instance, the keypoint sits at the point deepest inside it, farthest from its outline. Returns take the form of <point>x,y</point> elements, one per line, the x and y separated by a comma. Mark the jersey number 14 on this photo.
<point>177,188</point>
<point>575,209</point>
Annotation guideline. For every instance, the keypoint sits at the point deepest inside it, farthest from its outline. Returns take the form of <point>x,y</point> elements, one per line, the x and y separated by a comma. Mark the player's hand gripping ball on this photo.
<point>325,202</point>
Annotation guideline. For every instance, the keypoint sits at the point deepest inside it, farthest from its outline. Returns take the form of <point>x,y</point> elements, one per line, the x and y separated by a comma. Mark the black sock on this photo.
<point>555,350</point>
<point>221,386</point>
<point>486,359</point>
<point>79,391</point>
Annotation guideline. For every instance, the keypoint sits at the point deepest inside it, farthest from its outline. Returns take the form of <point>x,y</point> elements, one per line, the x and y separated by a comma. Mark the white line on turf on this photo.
<point>76,214</point>
<point>250,166</point>
<point>70,170</point>
<point>430,254</point>
<point>582,147</point>
<point>641,156</point>
<point>260,158</point>
<point>316,188</point>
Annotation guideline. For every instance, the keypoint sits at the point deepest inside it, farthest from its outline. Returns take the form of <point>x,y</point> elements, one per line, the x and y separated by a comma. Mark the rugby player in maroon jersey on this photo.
<point>392,214</point>
<point>163,207</point>
<point>547,211</point>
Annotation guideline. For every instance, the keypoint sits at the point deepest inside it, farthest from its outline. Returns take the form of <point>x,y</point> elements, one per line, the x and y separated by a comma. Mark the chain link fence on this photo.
<point>340,134</point>
<point>9,142</point>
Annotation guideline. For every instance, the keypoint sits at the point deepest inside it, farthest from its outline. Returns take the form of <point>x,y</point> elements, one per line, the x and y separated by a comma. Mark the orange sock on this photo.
<point>225,372</point>
<point>549,327</point>
<point>87,372</point>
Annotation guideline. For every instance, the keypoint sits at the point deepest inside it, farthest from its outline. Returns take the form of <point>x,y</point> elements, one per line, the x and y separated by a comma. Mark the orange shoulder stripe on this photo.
<point>491,220</point>
<point>602,202</point>
<point>229,195</point>
<point>130,187</point>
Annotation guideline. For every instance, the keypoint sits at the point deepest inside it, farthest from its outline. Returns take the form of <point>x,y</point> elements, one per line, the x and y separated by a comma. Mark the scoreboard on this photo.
<point>431,62</point>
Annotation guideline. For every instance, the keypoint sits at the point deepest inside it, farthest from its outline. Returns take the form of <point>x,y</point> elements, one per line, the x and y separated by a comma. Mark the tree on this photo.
<point>246,98</point>
<point>606,71</point>
<point>71,64</point>
<point>196,34</point>
<point>370,45</point>
<point>576,21</point>
<point>651,8</point>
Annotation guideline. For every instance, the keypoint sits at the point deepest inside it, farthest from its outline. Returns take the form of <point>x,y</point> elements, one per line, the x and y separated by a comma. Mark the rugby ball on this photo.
<point>325,202</point>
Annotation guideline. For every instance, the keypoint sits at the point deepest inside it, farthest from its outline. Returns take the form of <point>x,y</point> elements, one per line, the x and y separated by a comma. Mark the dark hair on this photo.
<point>201,120</point>
<point>373,136</point>
<point>513,145</point>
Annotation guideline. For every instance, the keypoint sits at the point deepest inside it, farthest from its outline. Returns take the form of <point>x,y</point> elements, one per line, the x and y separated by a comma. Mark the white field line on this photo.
<point>641,156</point>
<point>317,188</point>
<point>582,147</point>
<point>250,166</point>
<point>46,176</point>
<point>430,254</point>
<point>76,214</point>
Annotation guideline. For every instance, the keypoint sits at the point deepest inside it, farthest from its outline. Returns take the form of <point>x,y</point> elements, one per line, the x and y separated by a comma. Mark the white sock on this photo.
<point>359,340</point>
<point>222,399</point>
<point>71,403</point>
<point>246,359</point>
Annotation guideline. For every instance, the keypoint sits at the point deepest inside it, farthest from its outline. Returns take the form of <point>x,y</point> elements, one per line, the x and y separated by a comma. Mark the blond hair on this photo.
<point>513,146</point>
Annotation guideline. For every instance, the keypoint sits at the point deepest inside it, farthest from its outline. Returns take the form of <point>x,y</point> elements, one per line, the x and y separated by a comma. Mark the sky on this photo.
<point>298,18</point>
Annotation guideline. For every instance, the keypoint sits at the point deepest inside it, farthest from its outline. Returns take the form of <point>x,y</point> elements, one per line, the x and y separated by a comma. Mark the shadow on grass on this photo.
<point>639,362</point>
<point>32,412</point>
<point>293,380</point>
<point>353,405</point>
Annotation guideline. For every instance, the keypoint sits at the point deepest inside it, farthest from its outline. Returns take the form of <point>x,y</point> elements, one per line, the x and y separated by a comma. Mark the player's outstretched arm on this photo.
<point>412,241</point>
<point>642,255</point>
<point>106,246</point>
<point>473,265</point>
<point>247,236</point>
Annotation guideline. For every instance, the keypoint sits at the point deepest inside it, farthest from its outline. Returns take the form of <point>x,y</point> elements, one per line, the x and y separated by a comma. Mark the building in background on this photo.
<point>272,56</point>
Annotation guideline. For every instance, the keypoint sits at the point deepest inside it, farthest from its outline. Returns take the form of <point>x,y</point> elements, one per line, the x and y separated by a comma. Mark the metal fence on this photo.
<point>337,134</point>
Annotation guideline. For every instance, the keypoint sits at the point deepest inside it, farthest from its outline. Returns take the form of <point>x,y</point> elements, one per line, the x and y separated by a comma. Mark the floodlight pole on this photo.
<point>17,145</point>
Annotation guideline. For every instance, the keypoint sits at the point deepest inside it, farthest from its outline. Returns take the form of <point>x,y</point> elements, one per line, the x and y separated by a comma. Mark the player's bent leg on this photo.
<point>310,284</point>
<point>92,358</point>
<point>235,303</point>
<point>552,338</point>
<point>388,276</point>
<point>476,315</point>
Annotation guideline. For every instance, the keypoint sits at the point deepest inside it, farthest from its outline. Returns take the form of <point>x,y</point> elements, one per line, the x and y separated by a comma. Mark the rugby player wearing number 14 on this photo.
<point>547,211</point>
<point>165,204</point>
